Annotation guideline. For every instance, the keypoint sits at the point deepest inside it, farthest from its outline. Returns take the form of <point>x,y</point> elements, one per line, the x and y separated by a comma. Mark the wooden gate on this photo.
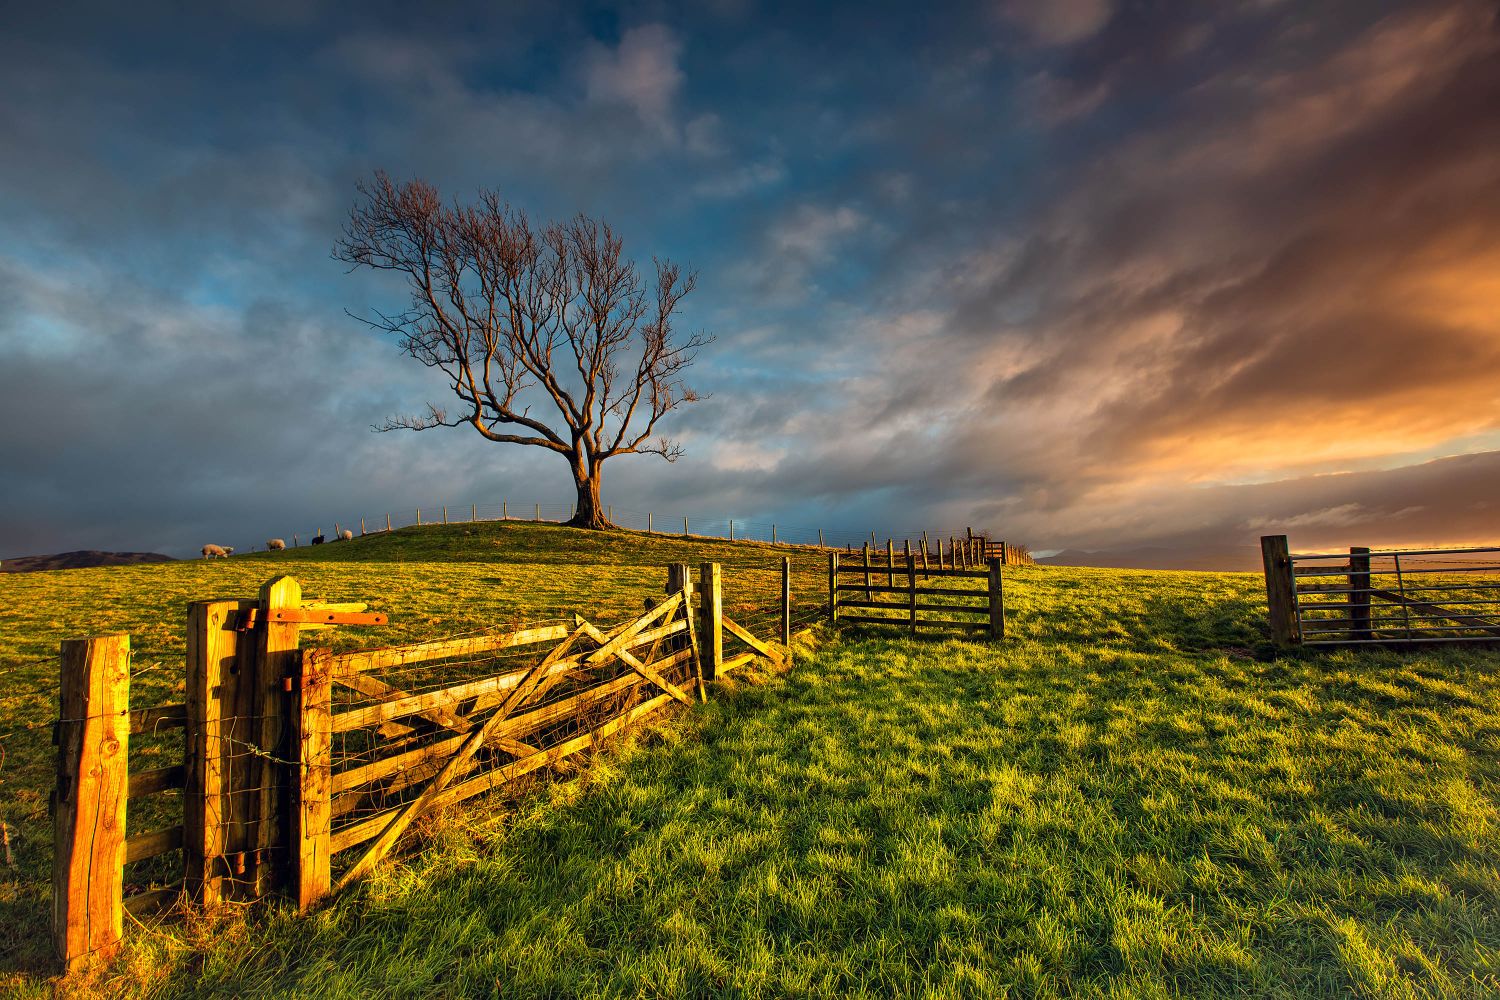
<point>1392,596</point>
<point>965,600</point>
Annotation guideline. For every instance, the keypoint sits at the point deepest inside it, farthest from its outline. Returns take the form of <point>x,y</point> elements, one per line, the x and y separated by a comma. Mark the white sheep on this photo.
<point>346,535</point>
<point>275,545</point>
<point>222,551</point>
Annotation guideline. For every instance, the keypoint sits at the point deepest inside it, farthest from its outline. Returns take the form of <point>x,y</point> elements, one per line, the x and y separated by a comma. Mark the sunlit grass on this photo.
<point>1133,797</point>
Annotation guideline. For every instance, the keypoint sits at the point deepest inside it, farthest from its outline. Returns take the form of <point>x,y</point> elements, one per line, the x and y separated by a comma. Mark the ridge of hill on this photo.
<point>79,559</point>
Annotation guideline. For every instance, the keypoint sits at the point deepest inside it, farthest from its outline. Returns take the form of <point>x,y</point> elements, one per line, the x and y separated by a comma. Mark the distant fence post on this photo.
<point>88,818</point>
<point>711,619</point>
<point>997,599</point>
<point>650,530</point>
<point>833,587</point>
<point>312,817</point>
<point>1359,592</point>
<point>1280,599</point>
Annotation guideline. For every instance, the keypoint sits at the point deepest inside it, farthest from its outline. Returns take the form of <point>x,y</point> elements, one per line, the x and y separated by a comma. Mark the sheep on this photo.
<point>346,535</point>
<point>317,539</point>
<point>275,545</point>
<point>221,551</point>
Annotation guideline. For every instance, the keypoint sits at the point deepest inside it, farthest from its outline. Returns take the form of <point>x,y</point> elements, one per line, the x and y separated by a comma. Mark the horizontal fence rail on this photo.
<point>1367,596</point>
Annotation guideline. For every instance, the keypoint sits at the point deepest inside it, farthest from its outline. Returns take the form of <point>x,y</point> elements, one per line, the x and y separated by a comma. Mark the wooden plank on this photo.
<point>160,779</point>
<point>160,719</point>
<point>833,586</point>
<point>373,688</point>
<point>924,591</point>
<point>394,656</point>
<point>521,724</point>
<point>905,609</point>
<point>612,646</point>
<point>975,574</point>
<point>786,604</point>
<point>312,816</point>
<point>924,622</point>
<point>153,900</point>
<point>1359,598</point>
<point>149,845</point>
<point>88,818</point>
<point>738,660</point>
<point>646,671</point>
<point>398,825</point>
<point>749,640</point>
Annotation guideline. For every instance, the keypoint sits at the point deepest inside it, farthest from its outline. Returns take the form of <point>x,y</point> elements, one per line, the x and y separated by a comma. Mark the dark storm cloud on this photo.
<point>1077,271</point>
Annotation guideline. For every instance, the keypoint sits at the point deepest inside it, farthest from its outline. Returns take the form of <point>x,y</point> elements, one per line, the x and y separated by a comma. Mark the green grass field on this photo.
<point>1133,796</point>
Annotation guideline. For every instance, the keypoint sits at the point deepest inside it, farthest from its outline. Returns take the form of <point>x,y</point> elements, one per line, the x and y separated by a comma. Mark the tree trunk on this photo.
<point>590,512</point>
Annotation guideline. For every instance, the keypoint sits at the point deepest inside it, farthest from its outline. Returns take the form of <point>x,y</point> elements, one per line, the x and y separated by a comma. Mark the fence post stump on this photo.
<point>833,587</point>
<point>786,605</point>
<point>711,619</point>
<point>997,599</point>
<point>1280,600</point>
<point>1359,592</point>
<point>88,805</point>
<point>312,817</point>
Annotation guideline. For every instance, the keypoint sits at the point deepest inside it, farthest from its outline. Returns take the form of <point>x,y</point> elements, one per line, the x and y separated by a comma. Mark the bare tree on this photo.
<point>515,317</point>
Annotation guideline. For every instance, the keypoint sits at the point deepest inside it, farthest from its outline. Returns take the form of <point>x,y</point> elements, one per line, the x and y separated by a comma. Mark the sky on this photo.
<point>1093,275</point>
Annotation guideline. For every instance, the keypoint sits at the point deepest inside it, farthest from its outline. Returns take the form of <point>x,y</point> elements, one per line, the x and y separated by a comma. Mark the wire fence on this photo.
<point>655,522</point>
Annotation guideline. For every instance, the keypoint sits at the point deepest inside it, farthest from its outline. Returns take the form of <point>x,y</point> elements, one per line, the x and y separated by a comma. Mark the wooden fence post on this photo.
<point>997,599</point>
<point>1276,556</point>
<point>773,534</point>
<point>711,619</point>
<point>505,510</point>
<point>312,816</point>
<point>786,603</point>
<point>890,563</point>
<point>88,805</point>
<point>924,555</point>
<point>820,538</point>
<point>275,665</point>
<point>1359,592</point>
<point>361,527</point>
<point>649,529</point>
<point>388,522</point>
<point>220,703</point>
<point>419,515</point>
<point>684,527</point>
<point>445,513</point>
<point>473,512</point>
<point>731,529</point>
<point>865,552</point>
<point>833,587</point>
<point>911,589</point>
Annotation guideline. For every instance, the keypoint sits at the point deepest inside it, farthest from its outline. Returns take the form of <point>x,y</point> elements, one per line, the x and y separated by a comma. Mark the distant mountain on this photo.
<point>79,560</point>
<point>1222,558</point>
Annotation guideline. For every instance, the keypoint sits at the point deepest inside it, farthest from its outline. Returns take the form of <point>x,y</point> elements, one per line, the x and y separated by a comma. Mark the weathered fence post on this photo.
<point>536,514</point>
<point>220,706</point>
<point>865,551</point>
<point>419,515</point>
<point>88,806</point>
<point>1359,592</point>
<point>997,599</point>
<point>833,587</point>
<point>505,510</point>
<point>445,513</point>
<point>312,817</point>
<point>911,589</point>
<point>924,555</point>
<point>773,534</point>
<point>731,529</point>
<point>711,619</point>
<point>1280,599</point>
<point>361,527</point>
<point>786,604</point>
<point>388,522</point>
<point>820,538</point>
<point>890,563</point>
<point>650,530</point>
<point>473,512</point>
<point>275,664</point>
<point>684,527</point>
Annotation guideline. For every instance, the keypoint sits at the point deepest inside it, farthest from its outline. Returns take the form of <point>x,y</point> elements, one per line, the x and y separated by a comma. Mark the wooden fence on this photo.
<point>1387,596</point>
<point>889,594</point>
<point>289,757</point>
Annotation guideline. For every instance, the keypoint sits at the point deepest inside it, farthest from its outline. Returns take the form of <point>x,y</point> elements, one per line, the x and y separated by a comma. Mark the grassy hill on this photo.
<point>1134,796</point>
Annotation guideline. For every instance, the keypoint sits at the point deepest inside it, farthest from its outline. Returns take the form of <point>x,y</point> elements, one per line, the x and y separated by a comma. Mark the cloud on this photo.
<point>1058,22</point>
<point>641,73</point>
